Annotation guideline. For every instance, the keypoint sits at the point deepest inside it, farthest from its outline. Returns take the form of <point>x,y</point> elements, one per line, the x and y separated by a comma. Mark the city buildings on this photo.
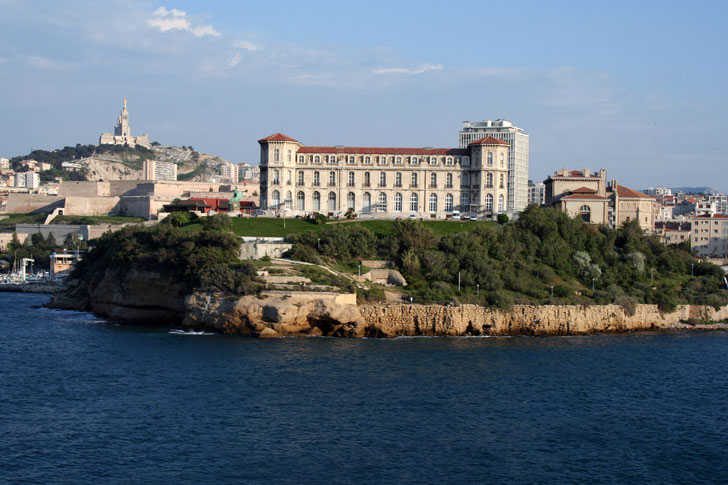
<point>709,236</point>
<point>4,164</point>
<point>536,193</point>
<point>588,195</point>
<point>29,180</point>
<point>517,156</point>
<point>384,182</point>
<point>122,133</point>
<point>229,172</point>
<point>157,170</point>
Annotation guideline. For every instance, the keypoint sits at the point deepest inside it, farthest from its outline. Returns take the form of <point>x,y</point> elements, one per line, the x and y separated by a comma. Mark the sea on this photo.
<point>83,401</point>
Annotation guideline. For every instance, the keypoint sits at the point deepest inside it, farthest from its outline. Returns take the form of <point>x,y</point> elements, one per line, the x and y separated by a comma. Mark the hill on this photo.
<point>113,162</point>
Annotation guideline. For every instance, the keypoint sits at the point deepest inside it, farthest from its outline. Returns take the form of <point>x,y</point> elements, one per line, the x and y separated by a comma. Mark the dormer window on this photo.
<point>317,159</point>
<point>448,161</point>
<point>367,160</point>
<point>351,159</point>
<point>466,160</point>
<point>399,161</point>
<point>433,160</point>
<point>301,159</point>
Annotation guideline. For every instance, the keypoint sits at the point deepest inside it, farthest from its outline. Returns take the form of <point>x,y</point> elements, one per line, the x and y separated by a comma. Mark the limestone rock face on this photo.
<point>271,316</point>
<point>135,296</point>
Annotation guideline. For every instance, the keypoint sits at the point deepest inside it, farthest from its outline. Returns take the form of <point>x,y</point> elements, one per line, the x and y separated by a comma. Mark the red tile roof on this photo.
<point>584,197</point>
<point>385,151</point>
<point>624,192</point>
<point>278,137</point>
<point>489,140</point>
<point>583,190</point>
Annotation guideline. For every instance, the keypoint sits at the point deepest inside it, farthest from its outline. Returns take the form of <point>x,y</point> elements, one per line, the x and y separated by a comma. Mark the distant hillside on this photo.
<point>114,162</point>
<point>693,190</point>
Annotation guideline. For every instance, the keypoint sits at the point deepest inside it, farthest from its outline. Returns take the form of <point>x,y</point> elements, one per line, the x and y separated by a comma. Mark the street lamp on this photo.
<point>552,291</point>
<point>652,276</point>
<point>593,284</point>
<point>477,293</point>
<point>692,267</point>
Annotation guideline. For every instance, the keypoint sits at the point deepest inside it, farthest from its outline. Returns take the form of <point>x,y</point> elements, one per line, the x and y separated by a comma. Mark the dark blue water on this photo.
<point>82,401</point>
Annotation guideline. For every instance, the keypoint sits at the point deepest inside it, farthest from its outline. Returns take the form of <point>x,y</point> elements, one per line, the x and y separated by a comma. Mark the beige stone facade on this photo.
<point>122,133</point>
<point>709,236</point>
<point>384,182</point>
<point>584,194</point>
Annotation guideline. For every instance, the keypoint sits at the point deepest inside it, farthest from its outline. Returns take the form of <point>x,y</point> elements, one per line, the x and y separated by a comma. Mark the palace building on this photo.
<point>384,182</point>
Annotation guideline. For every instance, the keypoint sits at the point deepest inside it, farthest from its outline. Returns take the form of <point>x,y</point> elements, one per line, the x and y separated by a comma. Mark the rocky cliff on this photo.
<point>149,298</point>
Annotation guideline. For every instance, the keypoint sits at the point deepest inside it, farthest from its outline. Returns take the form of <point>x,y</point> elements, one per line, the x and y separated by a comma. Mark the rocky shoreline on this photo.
<point>300,314</point>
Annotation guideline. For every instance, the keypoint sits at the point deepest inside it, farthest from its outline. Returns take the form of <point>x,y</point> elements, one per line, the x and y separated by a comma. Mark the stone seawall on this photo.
<point>408,320</point>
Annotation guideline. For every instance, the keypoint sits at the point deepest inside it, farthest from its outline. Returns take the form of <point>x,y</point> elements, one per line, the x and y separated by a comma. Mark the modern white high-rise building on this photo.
<point>517,155</point>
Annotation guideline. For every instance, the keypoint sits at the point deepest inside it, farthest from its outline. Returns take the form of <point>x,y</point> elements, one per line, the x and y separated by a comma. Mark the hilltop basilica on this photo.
<point>122,133</point>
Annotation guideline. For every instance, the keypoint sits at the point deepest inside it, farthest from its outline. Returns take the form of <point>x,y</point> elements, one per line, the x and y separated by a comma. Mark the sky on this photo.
<point>638,88</point>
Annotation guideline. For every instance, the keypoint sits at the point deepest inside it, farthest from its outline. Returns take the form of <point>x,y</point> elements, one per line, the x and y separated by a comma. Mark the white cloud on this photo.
<point>3,60</point>
<point>235,60</point>
<point>248,46</point>
<point>39,62</point>
<point>175,19</point>
<point>404,70</point>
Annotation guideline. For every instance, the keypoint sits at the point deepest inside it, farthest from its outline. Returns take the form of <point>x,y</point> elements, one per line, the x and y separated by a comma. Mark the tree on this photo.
<point>502,219</point>
<point>217,222</point>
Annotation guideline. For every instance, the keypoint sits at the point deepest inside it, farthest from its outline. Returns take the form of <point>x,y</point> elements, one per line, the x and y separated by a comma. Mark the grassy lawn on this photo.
<point>273,227</point>
<point>13,219</point>
<point>92,220</point>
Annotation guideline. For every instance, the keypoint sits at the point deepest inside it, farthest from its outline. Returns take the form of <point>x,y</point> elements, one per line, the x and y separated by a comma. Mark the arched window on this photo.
<point>490,158</point>
<point>448,203</point>
<point>397,202</point>
<point>288,177</point>
<point>350,200</point>
<point>332,201</point>
<point>383,159</point>
<point>433,160</point>
<point>433,180</point>
<point>276,177</point>
<point>464,202</point>
<point>276,155</point>
<point>501,184</point>
<point>350,182</point>
<point>382,202</point>
<point>489,203</point>
<point>585,213</point>
<point>288,155</point>
<point>367,206</point>
<point>275,199</point>
<point>351,159</point>
<point>414,203</point>
<point>300,177</point>
<point>413,180</point>
<point>289,200</point>
<point>332,179</point>
<point>433,202</point>
<point>316,178</point>
<point>317,159</point>
<point>382,179</point>
<point>331,159</point>
<point>316,201</point>
<point>501,203</point>
<point>448,181</point>
<point>489,180</point>
<point>415,161</point>
<point>399,161</point>
<point>367,160</point>
<point>367,179</point>
<point>300,201</point>
<point>398,179</point>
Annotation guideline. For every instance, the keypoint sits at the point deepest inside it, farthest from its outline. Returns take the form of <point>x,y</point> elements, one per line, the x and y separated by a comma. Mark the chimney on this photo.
<point>586,172</point>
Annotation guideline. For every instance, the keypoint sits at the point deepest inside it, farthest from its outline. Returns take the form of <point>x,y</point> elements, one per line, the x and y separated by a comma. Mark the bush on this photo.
<point>502,219</point>
<point>217,222</point>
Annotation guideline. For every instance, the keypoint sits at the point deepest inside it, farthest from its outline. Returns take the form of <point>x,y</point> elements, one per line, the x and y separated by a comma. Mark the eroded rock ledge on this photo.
<point>275,316</point>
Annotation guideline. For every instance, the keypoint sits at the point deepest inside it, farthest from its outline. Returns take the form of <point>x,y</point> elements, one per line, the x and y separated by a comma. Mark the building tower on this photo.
<point>277,164</point>
<point>122,124</point>
<point>517,155</point>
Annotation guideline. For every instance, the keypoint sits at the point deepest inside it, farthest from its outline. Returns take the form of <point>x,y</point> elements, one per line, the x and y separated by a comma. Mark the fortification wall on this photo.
<point>84,189</point>
<point>25,203</point>
<point>90,206</point>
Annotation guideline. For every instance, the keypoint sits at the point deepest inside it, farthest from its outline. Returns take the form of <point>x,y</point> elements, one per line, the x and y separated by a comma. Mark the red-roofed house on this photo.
<point>588,195</point>
<point>386,182</point>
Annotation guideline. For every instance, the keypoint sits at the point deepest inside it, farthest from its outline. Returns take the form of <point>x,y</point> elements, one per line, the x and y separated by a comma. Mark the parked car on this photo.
<point>456,215</point>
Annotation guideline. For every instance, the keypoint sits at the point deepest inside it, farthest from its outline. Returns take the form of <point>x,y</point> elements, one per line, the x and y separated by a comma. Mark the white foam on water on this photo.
<point>177,331</point>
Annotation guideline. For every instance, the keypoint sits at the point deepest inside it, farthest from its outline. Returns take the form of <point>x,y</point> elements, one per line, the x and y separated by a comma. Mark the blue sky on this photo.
<point>635,87</point>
